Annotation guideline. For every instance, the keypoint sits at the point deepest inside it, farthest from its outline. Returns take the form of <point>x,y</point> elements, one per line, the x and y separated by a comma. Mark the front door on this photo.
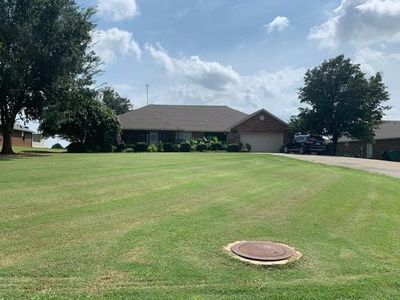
<point>153,138</point>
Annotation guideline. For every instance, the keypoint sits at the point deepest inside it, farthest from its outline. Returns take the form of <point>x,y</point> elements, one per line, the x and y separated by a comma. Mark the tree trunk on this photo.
<point>6,129</point>
<point>335,139</point>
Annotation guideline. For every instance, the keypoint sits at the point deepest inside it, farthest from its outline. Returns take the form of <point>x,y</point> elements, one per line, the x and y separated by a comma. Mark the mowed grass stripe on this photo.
<point>142,225</point>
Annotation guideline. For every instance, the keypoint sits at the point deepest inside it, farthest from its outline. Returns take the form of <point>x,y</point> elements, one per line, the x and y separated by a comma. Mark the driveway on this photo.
<point>376,166</point>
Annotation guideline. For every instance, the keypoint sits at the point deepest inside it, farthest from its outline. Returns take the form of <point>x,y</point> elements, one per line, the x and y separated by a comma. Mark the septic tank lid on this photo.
<point>263,250</point>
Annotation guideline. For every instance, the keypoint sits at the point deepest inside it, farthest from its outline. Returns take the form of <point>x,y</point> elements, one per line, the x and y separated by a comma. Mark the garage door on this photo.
<point>261,142</point>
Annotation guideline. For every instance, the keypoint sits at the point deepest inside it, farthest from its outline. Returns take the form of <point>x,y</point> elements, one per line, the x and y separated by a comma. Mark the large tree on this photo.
<point>44,50</point>
<point>81,118</point>
<point>341,101</point>
<point>114,101</point>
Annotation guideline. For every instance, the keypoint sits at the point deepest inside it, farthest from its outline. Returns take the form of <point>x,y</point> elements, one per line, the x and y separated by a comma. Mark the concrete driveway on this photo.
<point>376,166</point>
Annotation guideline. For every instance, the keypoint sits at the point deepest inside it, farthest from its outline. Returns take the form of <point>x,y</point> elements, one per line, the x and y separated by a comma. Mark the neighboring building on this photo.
<point>176,123</point>
<point>38,141</point>
<point>21,136</point>
<point>387,137</point>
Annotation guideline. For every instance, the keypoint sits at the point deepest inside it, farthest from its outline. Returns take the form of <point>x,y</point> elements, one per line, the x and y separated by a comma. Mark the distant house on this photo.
<point>21,136</point>
<point>387,137</point>
<point>176,123</point>
<point>38,141</point>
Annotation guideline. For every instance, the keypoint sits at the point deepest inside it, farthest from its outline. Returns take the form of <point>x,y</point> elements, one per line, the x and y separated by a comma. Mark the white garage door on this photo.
<point>261,142</point>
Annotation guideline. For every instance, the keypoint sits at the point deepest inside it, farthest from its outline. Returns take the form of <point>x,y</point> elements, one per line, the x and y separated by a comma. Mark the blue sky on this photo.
<point>248,54</point>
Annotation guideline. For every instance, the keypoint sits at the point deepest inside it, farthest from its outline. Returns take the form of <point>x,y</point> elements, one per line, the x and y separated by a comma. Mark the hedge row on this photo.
<point>161,147</point>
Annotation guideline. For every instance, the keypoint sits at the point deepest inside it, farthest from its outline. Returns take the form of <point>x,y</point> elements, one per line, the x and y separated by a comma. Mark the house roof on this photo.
<point>18,127</point>
<point>387,130</point>
<point>192,118</point>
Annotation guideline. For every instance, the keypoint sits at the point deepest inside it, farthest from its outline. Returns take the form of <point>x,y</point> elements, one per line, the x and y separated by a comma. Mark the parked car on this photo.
<point>303,144</point>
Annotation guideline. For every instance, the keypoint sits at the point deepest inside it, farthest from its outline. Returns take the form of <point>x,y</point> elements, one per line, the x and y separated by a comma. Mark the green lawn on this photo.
<point>154,226</point>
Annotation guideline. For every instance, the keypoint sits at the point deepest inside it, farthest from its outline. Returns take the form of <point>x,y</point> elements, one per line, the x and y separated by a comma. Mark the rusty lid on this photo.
<point>264,251</point>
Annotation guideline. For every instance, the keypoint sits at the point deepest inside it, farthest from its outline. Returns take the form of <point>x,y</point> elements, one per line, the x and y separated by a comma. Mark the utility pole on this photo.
<point>147,88</point>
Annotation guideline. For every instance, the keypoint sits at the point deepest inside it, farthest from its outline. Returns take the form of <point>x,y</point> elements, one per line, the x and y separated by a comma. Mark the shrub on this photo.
<point>213,139</point>
<point>76,148</point>
<point>141,147</point>
<point>57,146</point>
<point>168,147</point>
<point>201,147</point>
<point>129,150</point>
<point>120,147</point>
<point>185,147</point>
<point>152,148</point>
<point>248,147</point>
<point>108,148</point>
<point>233,148</point>
<point>216,146</point>
<point>160,147</point>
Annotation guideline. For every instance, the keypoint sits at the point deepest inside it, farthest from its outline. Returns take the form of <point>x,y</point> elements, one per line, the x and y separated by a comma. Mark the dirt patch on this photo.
<point>109,279</point>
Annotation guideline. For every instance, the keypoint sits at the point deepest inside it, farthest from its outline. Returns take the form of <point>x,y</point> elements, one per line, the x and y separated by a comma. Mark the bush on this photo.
<point>201,147</point>
<point>57,146</point>
<point>216,146</point>
<point>108,148</point>
<point>248,147</point>
<point>233,148</point>
<point>152,148</point>
<point>185,147</point>
<point>120,147</point>
<point>76,148</point>
<point>141,147</point>
<point>129,150</point>
<point>168,147</point>
<point>160,147</point>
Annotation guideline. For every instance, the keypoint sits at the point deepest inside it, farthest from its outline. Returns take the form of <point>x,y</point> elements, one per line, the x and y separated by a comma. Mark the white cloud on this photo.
<point>117,10</point>
<point>196,81</point>
<point>373,61</point>
<point>211,75</point>
<point>360,22</point>
<point>114,43</point>
<point>277,24</point>
<point>383,7</point>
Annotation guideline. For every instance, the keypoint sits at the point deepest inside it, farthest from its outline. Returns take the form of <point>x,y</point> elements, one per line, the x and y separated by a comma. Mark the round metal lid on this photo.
<point>264,251</point>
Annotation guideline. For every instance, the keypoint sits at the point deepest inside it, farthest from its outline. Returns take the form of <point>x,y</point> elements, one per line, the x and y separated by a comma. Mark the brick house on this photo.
<point>176,123</point>
<point>387,137</point>
<point>21,137</point>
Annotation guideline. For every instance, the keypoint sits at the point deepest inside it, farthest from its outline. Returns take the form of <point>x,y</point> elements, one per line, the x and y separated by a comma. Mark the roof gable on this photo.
<point>261,111</point>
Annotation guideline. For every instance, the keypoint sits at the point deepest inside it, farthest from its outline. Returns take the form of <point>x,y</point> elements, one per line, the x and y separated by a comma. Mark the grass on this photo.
<point>154,226</point>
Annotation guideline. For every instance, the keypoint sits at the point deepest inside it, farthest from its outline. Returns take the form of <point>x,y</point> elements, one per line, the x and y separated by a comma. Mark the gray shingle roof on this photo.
<point>387,130</point>
<point>18,127</point>
<point>195,118</point>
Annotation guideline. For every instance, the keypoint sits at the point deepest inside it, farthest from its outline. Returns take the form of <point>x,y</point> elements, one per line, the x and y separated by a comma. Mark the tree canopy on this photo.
<point>44,51</point>
<point>341,101</point>
<point>81,119</point>
<point>114,101</point>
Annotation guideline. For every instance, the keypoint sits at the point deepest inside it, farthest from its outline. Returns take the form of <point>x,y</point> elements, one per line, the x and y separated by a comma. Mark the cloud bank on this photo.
<point>117,10</point>
<point>360,23</point>
<point>114,43</point>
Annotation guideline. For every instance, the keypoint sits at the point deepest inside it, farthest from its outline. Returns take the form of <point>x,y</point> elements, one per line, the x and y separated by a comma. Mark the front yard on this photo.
<point>154,226</point>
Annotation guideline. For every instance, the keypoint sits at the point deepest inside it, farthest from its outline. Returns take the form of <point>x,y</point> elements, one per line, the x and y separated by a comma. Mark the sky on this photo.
<point>247,54</point>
